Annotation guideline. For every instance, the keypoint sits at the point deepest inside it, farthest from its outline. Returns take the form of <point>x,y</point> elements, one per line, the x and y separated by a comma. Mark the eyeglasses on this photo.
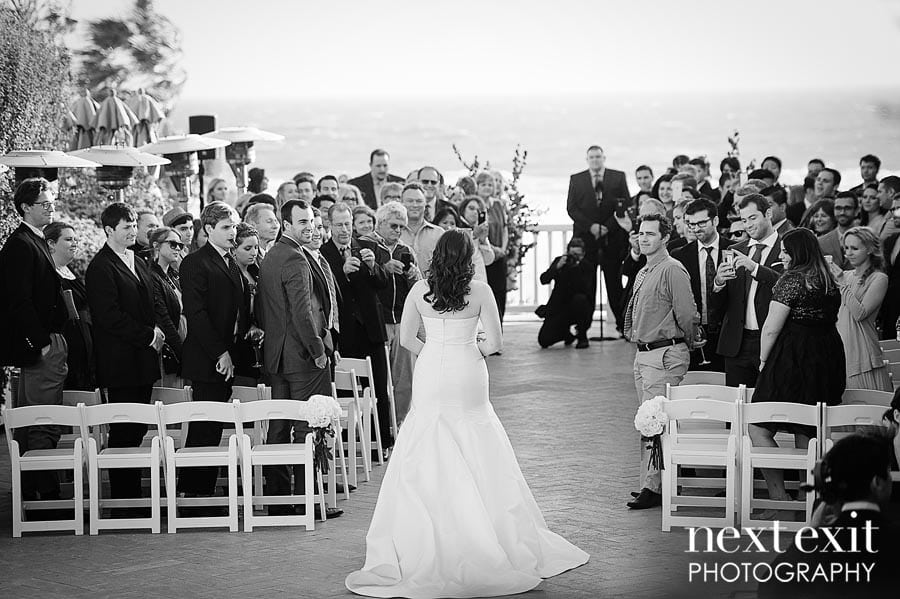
<point>348,199</point>
<point>392,198</point>
<point>699,224</point>
<point>175,245</point>
<point>48,205</point>
<point>428,182</point>
<point>395,226</point>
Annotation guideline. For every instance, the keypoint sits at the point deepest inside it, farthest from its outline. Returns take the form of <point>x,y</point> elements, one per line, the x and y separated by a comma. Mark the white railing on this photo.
<point>551,242</point>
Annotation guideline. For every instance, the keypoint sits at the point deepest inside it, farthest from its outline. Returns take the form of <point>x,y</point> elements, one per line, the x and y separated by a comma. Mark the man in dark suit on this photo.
<point>371,183</point>
<point>32,316</point>
<point>744,285</point>
<point>126,338</point>
<point>361,319</point>
<point>215,303</point>
<point>701,258</point>
<point>569,301</point>
<point>890,307</point>
<point>595,196</point>
<point>293,308</point>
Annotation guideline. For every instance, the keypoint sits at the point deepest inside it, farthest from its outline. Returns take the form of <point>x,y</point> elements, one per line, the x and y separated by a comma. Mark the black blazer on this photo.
<point>570,280</point>
<point>123,320</point>
<point>214,297</point>
<point>167,306</point>
<point>584,210</point>
<point>367,186</point>
<point>688,255</point>
<point>734,296</point>
<point>794,212</point>
<point>31,307</point>
<point>360,310</point>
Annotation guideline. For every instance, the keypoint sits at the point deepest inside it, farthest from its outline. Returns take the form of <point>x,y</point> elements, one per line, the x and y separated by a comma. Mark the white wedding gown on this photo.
<point>455,517</point>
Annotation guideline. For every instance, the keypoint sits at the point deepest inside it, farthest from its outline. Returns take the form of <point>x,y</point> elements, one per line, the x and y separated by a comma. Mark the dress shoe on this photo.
<point>339,488</point>
<point>330,512</point>
<point>645,500</point>
<point>635,493</point>
<point>569,339</point>
<point>582,344</point>
<point>386,454</point>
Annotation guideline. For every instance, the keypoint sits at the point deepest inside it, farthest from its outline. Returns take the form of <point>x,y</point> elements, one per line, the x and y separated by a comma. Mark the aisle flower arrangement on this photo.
<point>325,413</point>
<point>650,421</point>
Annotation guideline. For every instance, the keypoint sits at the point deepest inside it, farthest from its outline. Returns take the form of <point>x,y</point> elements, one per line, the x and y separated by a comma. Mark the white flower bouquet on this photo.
<point>650,421</point>
<point>325,412</point>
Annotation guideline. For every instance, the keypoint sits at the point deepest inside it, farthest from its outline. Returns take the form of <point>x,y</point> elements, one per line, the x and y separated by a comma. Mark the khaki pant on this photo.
<point>652,370</point>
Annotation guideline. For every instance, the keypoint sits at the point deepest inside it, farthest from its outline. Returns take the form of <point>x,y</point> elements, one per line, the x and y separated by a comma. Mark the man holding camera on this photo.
<point>595,196</point>
<point>570,300</point>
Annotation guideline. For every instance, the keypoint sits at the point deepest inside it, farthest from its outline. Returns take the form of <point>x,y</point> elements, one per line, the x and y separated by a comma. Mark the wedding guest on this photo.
<point>871,214</point>
<point>371,183</point>
<point>351,194</point>
<point>680,161</point>
<point>819,218</point>
<point>146,222</point>
<point>419,234</point>
<point>402,275</point>
<point>662,191</point>
<point>827,182</point>
<point>304,175</point>
<point>862,292</point>
<point>745,286</point>
<point>737,232</point>
<point>199,238</point>
<point>800,353</point>
<point>323,204</point>
<point>33,318</point>
<point>127,340</point>
<point>215,300</point>
<point>183,223</point>
<point>680,236</point>
<point>764,175</point>
<point>447,218</point>
<point>890,307</point>
<point>498,235</point>
<point>286,191</point>
<point>660,319</point>
<point>246,255</point>
<point>644,176</point>
<point>869,165</point>
<point>63,244</point>
<point>167,248</point>
<point>594,196</point>
<point>888,189</point>
<point>433,184</point>
<point>322,275</point>
<point>262,218</point>
<point>701,164</point>
<point>730,165</point>
<point>701,258</point>
<point>328,186</point>
<point>257,182</point>
<point>467,185</point>
<point>474,218</point>
<point>218,191</point>
<point>569,302</point>
<point>845,209</point>
<point>773,165</point>
<point>363,221</point>
<point>391,192</point>
<point>777,197</point>
<point>634,261</point>
<point>306,187</point>
<point>802,200</point>
<point>726,183</point>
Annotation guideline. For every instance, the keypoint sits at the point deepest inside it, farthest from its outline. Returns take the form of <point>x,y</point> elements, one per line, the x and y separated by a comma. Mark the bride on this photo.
<point>455,517</point>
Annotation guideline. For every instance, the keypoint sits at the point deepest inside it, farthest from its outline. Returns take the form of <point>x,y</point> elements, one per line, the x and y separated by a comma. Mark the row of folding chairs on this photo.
<point>708,431</point>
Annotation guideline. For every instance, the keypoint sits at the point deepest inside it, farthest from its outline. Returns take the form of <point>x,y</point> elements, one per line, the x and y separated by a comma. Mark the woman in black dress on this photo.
<point>167,249</point>
<point>246,252</point>
<point>801,356</point>
<point>80,359</point>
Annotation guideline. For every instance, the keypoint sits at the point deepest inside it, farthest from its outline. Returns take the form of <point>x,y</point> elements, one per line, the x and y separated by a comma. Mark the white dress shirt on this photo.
<point>751,321</point>
<point>127,257</point>
<point>36,231</point>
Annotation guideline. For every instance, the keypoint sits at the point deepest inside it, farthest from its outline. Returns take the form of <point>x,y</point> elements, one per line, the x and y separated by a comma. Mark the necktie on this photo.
<point>598,189</point>
<point>756,257</point>
<point>710,276</point>
<point>332,295</point>
<point>234,271</point>
<point>629,314</point>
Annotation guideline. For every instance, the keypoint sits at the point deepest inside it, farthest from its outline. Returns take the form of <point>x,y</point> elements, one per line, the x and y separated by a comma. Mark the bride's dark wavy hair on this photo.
<point>450,277</point>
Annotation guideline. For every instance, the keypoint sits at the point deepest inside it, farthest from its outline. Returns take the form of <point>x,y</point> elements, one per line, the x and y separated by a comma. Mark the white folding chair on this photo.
<point>781,458</point>
<point>892,355</point>
<point>277,454</point>
<point>168,396</point>
<point>248,395</point>
<point>88,398</point>
<point>42,460</point>
<point>186,457</point>
<point>894,369</point>
<point>889,344</point>
<point>866,397</point>
<point>703,377</point>
<point>108,458</point>
<point>362,369</point>
<point>356,443</point>
<point>684,450</point>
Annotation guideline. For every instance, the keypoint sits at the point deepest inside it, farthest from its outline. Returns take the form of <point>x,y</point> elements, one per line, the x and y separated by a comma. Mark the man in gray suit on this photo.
<point>298,347</point>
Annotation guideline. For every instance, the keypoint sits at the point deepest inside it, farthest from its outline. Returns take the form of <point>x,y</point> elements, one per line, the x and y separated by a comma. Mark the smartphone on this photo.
<point>356,253</point>
<point>728,257</point>
<point>829,259</point>
<point>406,259</point>
<point>482,217</point>
<point>621,205</point>
<point>677,188</point>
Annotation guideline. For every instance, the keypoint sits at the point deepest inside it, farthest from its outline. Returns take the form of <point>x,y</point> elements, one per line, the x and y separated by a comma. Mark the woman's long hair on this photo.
<point>872,244</point>
<point>450,276</point>
<point>825,205</point>
<point>806,258</point>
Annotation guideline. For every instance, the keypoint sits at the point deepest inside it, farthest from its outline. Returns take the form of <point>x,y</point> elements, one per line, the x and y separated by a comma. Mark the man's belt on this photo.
<point>659,344</point>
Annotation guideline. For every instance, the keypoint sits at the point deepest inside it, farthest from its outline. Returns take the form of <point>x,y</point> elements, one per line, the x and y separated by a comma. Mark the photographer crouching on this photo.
<point>570,300</point>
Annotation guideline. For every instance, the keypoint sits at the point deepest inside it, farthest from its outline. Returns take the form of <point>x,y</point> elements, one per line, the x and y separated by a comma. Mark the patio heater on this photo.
<point>182,150</point>
<point>42,163</point>
<point>117,166</point>
<point>241,153</point>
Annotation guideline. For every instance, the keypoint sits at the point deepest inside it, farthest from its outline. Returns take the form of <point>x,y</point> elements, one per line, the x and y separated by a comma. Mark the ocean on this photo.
<point>335,136</point>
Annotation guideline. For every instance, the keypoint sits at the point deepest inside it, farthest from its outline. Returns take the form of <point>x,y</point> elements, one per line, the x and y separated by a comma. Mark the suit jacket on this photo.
<point>167,305</point>
<point>830,244</point>
<point>321,286</point>
<point>585,210</point>
<point>292,309</point>
<point>360,313</point>
<point>31,307</point>
<point>735,294</point>
<point>570,280</point>
<point>689,256</point>
<point>214,297</point>
<point>367,186</point>
<point>123,319</point>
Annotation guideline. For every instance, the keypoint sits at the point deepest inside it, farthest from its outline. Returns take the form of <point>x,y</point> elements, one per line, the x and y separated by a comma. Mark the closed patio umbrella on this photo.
<point>114,122</point>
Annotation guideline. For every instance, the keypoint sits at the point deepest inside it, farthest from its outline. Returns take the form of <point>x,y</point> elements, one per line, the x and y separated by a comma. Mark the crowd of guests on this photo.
<point>271,289</point>
<point>786,290</point>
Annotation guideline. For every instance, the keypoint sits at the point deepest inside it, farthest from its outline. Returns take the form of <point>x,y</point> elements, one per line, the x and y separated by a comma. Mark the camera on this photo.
<point>621,205</point>
<point>482,217</point>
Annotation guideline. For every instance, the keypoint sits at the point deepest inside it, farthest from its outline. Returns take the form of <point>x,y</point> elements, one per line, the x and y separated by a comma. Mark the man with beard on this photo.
<point>846,205</point>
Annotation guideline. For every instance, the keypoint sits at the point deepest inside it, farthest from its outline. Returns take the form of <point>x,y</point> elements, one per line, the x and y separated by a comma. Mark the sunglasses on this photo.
<point>736,234</point>
<point>175,245</point>
<point>395,226</point>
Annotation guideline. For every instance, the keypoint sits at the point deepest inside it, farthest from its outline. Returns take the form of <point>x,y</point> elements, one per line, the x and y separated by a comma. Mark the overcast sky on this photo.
<point>297,48</point>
